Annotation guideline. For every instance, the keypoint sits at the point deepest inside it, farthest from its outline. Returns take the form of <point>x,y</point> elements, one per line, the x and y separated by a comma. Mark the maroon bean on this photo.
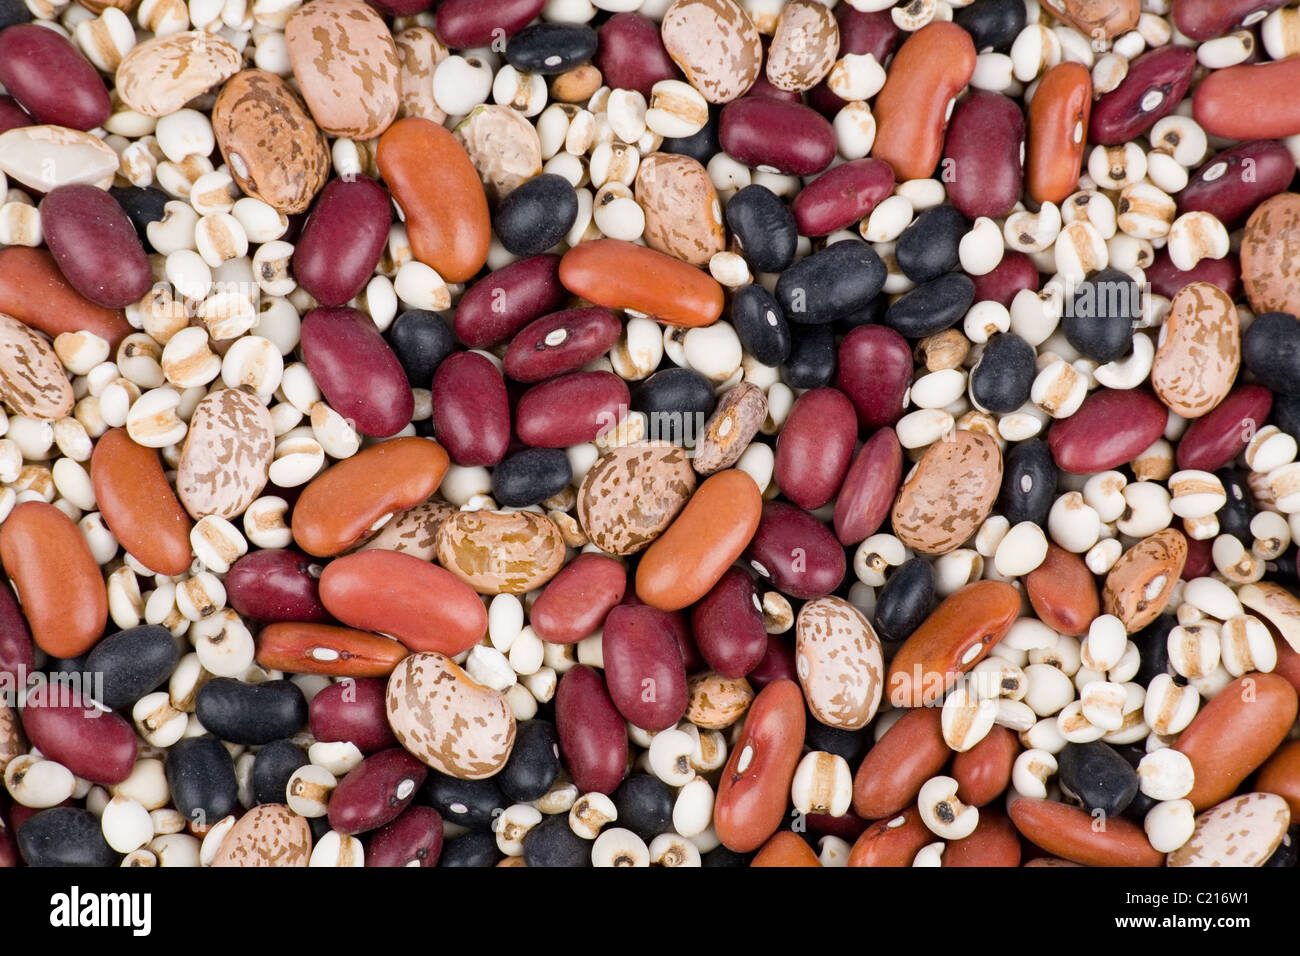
<point>795,552</point>
<point>463,24</point>
<point>868,490</point>
<point>1200,560</point>
<point>1111,428</point>
<point>342,240</point>
<point>1206,19</point>
<point>777,663</point>
<point>17,652</point>
<point>12,116</point>
<point>95,744</point>
<point>764,89</point>
<point>848,827</point>
<point>376,791</point>
<point>815,448</point>
<point>9,856</point>
<point>593,738</point>
<point>95,245</point>
<point>631,54</point>
<point>643,667</point>
<point>571,409</point>
<point>875,369</point>
<point>353,710</point>
<point>49,76</point>
<point>413,838</point>
<point>1155,83</point>
<point>401,8</point>
<point>575,602</point>
<point>728,625</point>
<point>1016,271</point>
<point>824,101</point>
<point>1234,182</point>
<point>841,196</point>
<point>860,33</point>
<point>356,370</point>
<point>276,585</point>
<point>788,137</point>
<point>503,302</point>
<point>1219,436</point>
<point>1166,279</point>
<point>471,409</point>
<point>561,342</point>
<point>983,165</point>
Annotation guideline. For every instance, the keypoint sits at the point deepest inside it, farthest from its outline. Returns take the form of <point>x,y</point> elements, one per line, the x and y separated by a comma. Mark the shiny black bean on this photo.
<point>534,762</point>
<point>992,24</point>
<point>812,357</point>
<point>1152,643</point>
<point>932,306</point>
<point>420,340</point>
<point>550,48</point>
<point>64,836</point>
<point>906,600</point>
<point>1288,852</point>
<point>273,766</point>
<point>764,227</point>
<point>142,205</point>
<point>1282,570</point>
<point>470,803</point>
<point>760,324</point>
<point>1100,317</point>
<point>250,713</point>
<point>701,146</point>
<point>833,283</point>
<point>531,476</point>
<point>1270,350</point>
<point>1004,374</point>
<point>319,827</point>
<point>553,843</point>
<point>645,805</point>
<point>536,215</point>
<point>1236,514</point>
<point>1028,482</point>
<point>476,848</point>
<point>852,745</point>
<point>927,248</point>
<point>132,663</point>
<point>724,857</point>
<point>1286,414</point>
<point>201,777</point>
<point>676,401</point>
<point>1101,778</point>
<point>870,314</point>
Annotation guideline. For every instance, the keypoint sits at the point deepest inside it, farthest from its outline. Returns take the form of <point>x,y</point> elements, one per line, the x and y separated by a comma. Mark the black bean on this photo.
<point>250,713</point>
<point>833,283</point>
<point>201,777</point>
<point>319,827</point>
<point>870,314</point>
<point>722,856</point>
<point>64,836</point>
<point>1140,806</point>
<point>676,401</point>
<point>928,247</point>
<point>702,147</point>
<point>550,48</point>
<point>812,357</point>
<point>13,12</point>
<point>1004,374</point>
<point>1286,414</point>
<point>760,324</point>
<point>932,306</point>
<point>1028,482</point>
<point>1270,349</point>
<point>470,803</point>
<point>1288,852</point>
<point>142,204</point>
<point>132,663</point>
<point>531,476</point>
<point>852,745</point>
<point>1101,778</point>
<point>1152,643</point>
<point>70,670</point>
<point>764,227</point>
<point>535,216</point>
<point>992,24</point>
<point>1282,569</point>
<point>1100,317</point>
<point>645,805</point>
<point>420,340</point>
<point>534,762</point>
<point>476,848</point>
<point>274,764</point>
<point>906,599</point>
<point>553,843</point>
<point>1236,514</point>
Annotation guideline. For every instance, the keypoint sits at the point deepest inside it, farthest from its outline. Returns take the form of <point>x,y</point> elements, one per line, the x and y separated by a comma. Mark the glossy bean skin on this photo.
<point>34,291</point>
<point>95,245</point>
<point>576,601</point>
<point>503,302</point>
<point>995,842</point>
<point>983,772</point>
<point>727,625</point>
<point>570,409</point>
<point>51,78</point>
<point>356,370</point>
<point>1159,77</point>
<point>535,215</point>
<point>1222,187</point>
<point>890,776</point>
<point>930,246</point>
<point>764,227</point>
<point>875,369</point>
<point>593,739</point>
<point>339,506</point>
<point>893,841</point>
<point>1269,350</point>
<point>671,399</point>
<point>421,340</point>
<point>932,306</point>
<point>866,494</point>
<point>1058,120</point>
<point>275,585</point>
<point>250,713</point>
<point>795,552</point>
<point>643,667</point>
<point>1063,592</point>
<point>815,448</point>
<point>1250,101</point>
<point>631,54</point>
<point>1069,832</point>
<point>64,836</point>
<point>1016,271</point>
<point>376,791</point>
<point>1216,438</point>
<point>201,778</point>
<point>842,196</point>
<point>342,239</point>
<point>138,503</point>
<point>755,783</point>
<point>414,838</point>
<point>1166,279</point>
<point>831,284</point>
<point>777,663</point>
<point>447,218</point>
<point>1281,775</point>
<point>928,71</point>
<point>788,137</point>
<point>986,138</point>
<point>57,579</point>
<point>93,743</point>
<point>463,24</point>
<point>785,849</point>
<point>531,476</point>
<point>622,275</point>
<point>905,600</point>
<point>992,24</point>
<point>17,652</point>
<point>550,48</point>
<point>12,116</point>
<point>131,663</point>
<point>1110,429</point>
<point>353,711</point>
<point>1203,20</point>
<point>561,342</point>
<point>300,648</point>
<point>471,409</point>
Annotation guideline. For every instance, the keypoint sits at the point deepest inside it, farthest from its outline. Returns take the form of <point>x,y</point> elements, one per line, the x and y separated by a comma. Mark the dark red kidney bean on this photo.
<point>832,284</point>
<point>415,837</point>
<point>1203,20</point>
<point>1016,271</point>
<point>357,372</point>
<point>789,137</point>
<point>824,101</point>
<point>869,486</point>
<point>471,409</point>
<point>463,24</point>
<point>1234,182</point>
<point>777,663</point>
<point>1216,438</point>
<point>643,668</point>
<point>983,772</point>
<point>631,54</point>
<point>1166,279</point>
<point>842,196</point>
<point>95,245</point>
<point>982,161</point>
<point>561,342</point>
<point>763,88</point>
<point>728,625</point>
<point>63,836</point>
<point>48,75</point>
<point>763,227</point>
<point>795,552</point>
<point>862,33</point>
<point>993,25</point>
<point>276,585</point>
<point>571,409</point>
<point>93,743</point>
<point>503,302</point>
<point>577,599</point>
<point>1200,559</point>
<point>17,652</point>
<point>12,116</point>
<point>994,842</point>
<point>875,369</point>
<point>251,713</point>
<point>1110,429</point>
<point>593,738</point>
<point>676,622</point>
<point>847,827</point>
<point>342,240</point>
<point>1155,83</point>
<point>815,447</point>
<point>376,791</point>
<point>354,711</point>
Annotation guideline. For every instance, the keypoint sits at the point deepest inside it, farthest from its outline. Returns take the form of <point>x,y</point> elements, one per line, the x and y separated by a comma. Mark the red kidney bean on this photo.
<point>982,155</point>
<point>1216,438</point>
<point>823,100</point>
<point>1016,271</point>
<point>1203,20</point>
<point>795,552</point>
<point>643,667</point>
<point>95,744</point>
<point>995,842</point>
<point>1072,833</point>
<point>376,791</point>
<point>893,841</point>
<point>1110,429</point>
<point>983,772</point>
<point>326,649</point>
<point>869,486</point>
<point>413,838</point>
<point>12,116</point>
<point>777,663</point>
<point>841,196</point>
<point>1288,664</point>
<point>815,447</point>
<point>1200,560</point>
<point>728,625</point>
<point>571,409</point>
<point>1166,279</point>
<point>1155,83</point>
<point>561,342</point>
<point>402,8</point>
<point>276,585</point>
<point>138,504</point>
<point>356,370</point>
<point>788,137</point>
<point>17,652</point>
<point>471,409</point>
<point>463,24</point>
<point>353,711</point>
<point>342,239</point>
<point>862,33</point>
<point>95,245</point>
<point>576,600</point>
<point>1251,101</point>
<point>847,827</point>
<point>785,849</point>
<point>593,739</point>
<point>676,621</point>
<point>908,754</point>
<point>763,88</point>
<point>631,54</point>
<point>34,291</point>
<point>875,369</point>
<point>49,76</point>
<point>503,302</point>
<point>1058,127</point>
<point>1234,182</point>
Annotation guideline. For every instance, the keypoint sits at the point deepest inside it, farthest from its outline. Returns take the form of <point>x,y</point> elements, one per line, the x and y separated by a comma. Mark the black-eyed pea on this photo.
<point>1212,683</point>
<point>589,813</point>
<point>541,683</point>
<point>336,849</point>
<point>875,556</point>
<point>778,615</point>
<point>1075,727</point>
<point>213,838</point>
<point>943,813</point>
<point>175,850</point>
<point>1170,824</point>
<point>822,783</point>
<point>560,798</point>
<point>1194,236</point>
<point>618,847</point>
<point>253,362</point>
<point>264,523</point>
<point>670,757</point>
<point>1073,524</point>
<point>966,719</point>
<point>308,791</point>
<point>1108,72</point>
<point>855,130</point>
<point>1113,168</point>
<point>1195,494</point>
<point>1024,423</point>
<point>1194,649</point>
<point>1032,232</point>
<point>157,721</point>
<point>35,782</point>
<point>1031,771</point>
<point>1080,249</point>
<point>512,825</point>
<point>1166,774</point>
<point>1169,707</point>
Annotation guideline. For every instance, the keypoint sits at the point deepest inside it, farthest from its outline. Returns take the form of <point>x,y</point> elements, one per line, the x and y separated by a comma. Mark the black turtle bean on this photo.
<point>906,600</point>
<point>64,836</point>
<point>763,226</point>
<point>1286,414</point>
<point>470,803</point>
<point>536,215</point>
<point>13,12</point>
<point>201,777</point>
<point>932,306</point>
<point>928,248</point>
<point>870,314</point>
<point>132,663</point>
<point>760,324</point>
<point>1101,778</point>
<point>142,204</point>
<point>833,283</point>
<point>476,848</point>
<point>1029,476</point>
<point>1100,317</point>
<point>250,713</point>
<point>676,402</point>
<point>1152,643</point>
<point>273,766</point>
<point>420,340</point>
<point>1004,374</point>
<point>534,762</point>
<point>1270,350</point>
<point>702,146</point>
<point>722,856</point>
<point>531,476</point>
<point>553,843</point>
<point>993,25</point>
<point>812,357</point>
<point>645,805</point>
<point>550,48</point>
<point>1288,852</point>
<point>1236,514</point>
<point>852,745</point>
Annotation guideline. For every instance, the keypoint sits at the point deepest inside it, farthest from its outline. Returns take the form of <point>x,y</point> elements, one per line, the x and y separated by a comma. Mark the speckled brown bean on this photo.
<point>716,702</point>
<point>1243,831</point>
<point>1140,584</point>
<point>891,774</point>
<point>1058,132</point>
<point>32,379</point>
<point>867,493</point>
<point>1199,352</point>
<point>226,455</point>
<point>138,504</point>
<point>983,155</point>
<point>577,600</point>
<point>1070,832</point>
<point>414,531</point>
<point>716,45</point>
<point>839,662</point>
<point>734,423</point>
<point>893,841</point>
<point>683,217</point>
<point>269,834</point>
<point>644,671</point>
<point>162,74</point>
<point>1270,250</point>
<point>500,552</point>
<point>983,772</point>
<point>804,47</point>
<point>950,492</point>
<point>1063,592</point>
<point>1100,19</point>
<point>593,737</point>
<point>815,447</point>
<point>502,145</point>
<point>419,51</point>
<point>631,495</point>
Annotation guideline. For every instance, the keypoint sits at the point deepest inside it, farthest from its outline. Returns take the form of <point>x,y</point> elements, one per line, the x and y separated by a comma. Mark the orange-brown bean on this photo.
<point>1281,775</point>
<point>785,849</point>
<point>1071,833</point>
<point>623,275</point>
<point>1058,132</point>
<point>906,756</point>
<point>894,841</point>
<point>138,504</point>
<point>301,648</point>
<point>1250,101</point>
<point>33,290</point>
<point>1063,592</point>
<point>983,772</point>
<point>995,842</point>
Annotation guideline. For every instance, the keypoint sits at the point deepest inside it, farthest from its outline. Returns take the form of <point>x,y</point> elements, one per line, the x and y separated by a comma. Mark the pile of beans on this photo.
<point>649,432</point>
